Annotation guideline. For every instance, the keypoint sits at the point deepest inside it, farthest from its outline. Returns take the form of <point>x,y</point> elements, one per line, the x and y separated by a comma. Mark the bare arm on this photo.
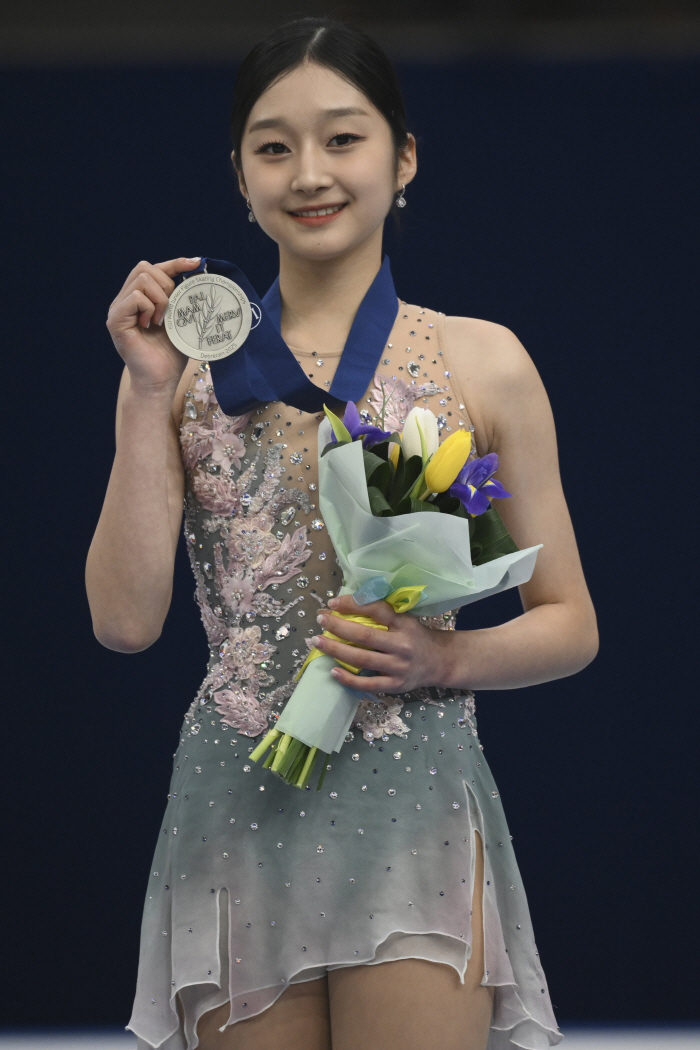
<point>129,568</point>
<point>556,635</point>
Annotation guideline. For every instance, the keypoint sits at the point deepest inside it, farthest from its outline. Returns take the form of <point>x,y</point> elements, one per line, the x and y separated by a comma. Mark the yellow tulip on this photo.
<point>394,454</point>
<point>447,462</point>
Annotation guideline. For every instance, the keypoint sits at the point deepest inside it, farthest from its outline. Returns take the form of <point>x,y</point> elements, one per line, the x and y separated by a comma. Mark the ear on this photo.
<point>408,164</point>
<point>239,175</point>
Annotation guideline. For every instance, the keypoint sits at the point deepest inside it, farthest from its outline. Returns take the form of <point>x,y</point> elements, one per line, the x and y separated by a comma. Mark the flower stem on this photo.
<point>262,747</point>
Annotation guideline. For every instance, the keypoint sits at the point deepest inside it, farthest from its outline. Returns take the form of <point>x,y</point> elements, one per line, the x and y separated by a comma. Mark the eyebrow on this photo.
<point>278,122</point>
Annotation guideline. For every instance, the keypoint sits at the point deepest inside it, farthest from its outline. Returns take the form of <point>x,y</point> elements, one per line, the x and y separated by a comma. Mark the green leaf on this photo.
<point>488,537</point>
<point>371,462</point>
<point>381,449</point>
<point>333,444</point>
<point>381,478</point>
<point>448,504</point>
<point>413,469</point>
<point>339,429</point>
<point>409,505</point>
<point>377,503</point>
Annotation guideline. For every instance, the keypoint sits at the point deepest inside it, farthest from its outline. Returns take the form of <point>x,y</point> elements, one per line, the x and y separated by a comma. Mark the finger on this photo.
<point>369,659</point>
<point>382,612</point>
<point>147,283</point>
<point>172,267</point>
<point>144,307</point>
<point>163,272</point>
<point>361,634</point>
<point>366,683</point>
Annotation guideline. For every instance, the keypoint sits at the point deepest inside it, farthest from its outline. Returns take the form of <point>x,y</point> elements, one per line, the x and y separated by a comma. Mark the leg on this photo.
<point>412,1004</point>
<point>298,1020</point>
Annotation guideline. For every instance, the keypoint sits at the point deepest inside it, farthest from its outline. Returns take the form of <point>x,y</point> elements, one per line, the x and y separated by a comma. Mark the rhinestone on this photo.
<point>254,827</point>
<point>334,794</point>
<point>286,516</point>
<point>319,849</point>
<point>355,757</point>
<point>433,770</point>
<point>319,363</point>
<point>364,787</point>
<point>296,457</point>
<point>397,754</point>
<point>391,791</point>
<point>441,421</point>
<point>283,631</point>
<point>455,805</point>
<point>418,805</point>
<point>317,524</point>
<point>190,410</point>
<point>302,581</point>
<point>360,831</point>
<point>246,769</point>
<point>322,556</point>
<point>494,794</point>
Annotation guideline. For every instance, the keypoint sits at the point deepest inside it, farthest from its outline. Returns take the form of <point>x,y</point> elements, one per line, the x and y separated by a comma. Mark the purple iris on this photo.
<point>475,483</point>
<point>358,429</point>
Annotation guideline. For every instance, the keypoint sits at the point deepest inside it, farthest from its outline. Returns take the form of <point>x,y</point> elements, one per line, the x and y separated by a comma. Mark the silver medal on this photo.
<point>208,317</point>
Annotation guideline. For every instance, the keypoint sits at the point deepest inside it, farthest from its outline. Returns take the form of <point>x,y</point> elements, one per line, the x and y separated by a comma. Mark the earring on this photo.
<point>251,216</point>
<point>401,200</point>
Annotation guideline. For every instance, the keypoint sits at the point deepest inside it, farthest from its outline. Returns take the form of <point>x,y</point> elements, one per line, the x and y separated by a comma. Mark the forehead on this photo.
<point>307,94</point>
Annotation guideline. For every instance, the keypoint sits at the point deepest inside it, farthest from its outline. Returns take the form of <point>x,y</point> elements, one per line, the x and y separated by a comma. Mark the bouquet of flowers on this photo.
<point>412,522</point>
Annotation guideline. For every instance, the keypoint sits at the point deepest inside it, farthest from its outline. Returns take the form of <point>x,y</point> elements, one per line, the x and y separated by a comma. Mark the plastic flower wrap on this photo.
<point>415,527</point>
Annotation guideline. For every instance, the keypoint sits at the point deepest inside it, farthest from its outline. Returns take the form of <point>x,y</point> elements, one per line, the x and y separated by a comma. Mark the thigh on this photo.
<point>298,1020</point>
<point>411,1004</point>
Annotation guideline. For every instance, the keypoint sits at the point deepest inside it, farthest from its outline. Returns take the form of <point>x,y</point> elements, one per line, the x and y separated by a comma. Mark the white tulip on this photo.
<point>410,436</point>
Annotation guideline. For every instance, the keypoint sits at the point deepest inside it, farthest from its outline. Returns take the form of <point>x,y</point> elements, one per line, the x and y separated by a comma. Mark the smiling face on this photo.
<point>318,164</point>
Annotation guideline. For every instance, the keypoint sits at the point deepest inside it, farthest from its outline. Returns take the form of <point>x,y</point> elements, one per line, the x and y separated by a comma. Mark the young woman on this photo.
<point>269,910</point>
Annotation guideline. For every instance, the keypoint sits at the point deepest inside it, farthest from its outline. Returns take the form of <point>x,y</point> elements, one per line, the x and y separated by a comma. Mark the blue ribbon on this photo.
<point>265,369</point>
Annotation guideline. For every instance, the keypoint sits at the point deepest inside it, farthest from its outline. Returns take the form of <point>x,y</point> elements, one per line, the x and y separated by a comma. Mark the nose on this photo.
<point>311,174</point>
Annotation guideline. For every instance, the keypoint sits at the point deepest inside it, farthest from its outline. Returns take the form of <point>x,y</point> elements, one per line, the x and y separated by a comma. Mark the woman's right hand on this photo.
<point>135,322</point>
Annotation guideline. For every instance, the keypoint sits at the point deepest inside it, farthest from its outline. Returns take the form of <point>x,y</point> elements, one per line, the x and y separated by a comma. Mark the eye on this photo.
<point>346,137</point>
<point>274,148</point>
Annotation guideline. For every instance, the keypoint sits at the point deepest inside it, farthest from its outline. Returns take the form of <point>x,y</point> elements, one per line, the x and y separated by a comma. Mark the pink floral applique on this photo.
<point>215,493</point>
<point>242,650</point>
<point>195,442</point>
<point>391,401</point>
<point>379,717</point>
<point>242,710</point>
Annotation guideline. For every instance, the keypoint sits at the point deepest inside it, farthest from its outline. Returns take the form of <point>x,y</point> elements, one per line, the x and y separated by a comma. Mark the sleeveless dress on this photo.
<point>256,885</point>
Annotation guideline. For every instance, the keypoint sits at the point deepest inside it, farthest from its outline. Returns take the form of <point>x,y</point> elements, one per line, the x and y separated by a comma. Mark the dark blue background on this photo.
<point>559,200</point>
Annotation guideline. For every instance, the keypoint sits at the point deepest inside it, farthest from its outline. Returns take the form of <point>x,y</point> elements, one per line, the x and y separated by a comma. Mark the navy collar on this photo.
<point>265,369</point>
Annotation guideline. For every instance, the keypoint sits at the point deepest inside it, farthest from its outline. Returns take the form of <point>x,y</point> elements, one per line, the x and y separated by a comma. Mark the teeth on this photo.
<point>319,211</point>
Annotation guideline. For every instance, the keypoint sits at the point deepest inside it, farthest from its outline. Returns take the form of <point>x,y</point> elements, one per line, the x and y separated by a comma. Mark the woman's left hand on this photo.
<point>404,657</point>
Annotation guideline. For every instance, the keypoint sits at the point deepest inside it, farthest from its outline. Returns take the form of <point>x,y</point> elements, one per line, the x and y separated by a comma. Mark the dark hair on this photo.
<point>337,46</point>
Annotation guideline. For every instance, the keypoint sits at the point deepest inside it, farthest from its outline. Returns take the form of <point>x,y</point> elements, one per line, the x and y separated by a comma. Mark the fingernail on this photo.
<point>315,640</point>
<point>336,672</point>
<point>321,618</point>
<point>333,603</point>
<point>195,258</point>
<point>161,320</point>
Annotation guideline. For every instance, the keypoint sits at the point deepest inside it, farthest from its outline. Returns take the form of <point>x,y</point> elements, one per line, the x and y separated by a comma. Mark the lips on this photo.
<point>318,216</point>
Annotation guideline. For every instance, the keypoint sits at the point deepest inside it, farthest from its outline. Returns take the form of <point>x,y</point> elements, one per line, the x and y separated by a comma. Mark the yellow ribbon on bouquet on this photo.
<point>401,600</point>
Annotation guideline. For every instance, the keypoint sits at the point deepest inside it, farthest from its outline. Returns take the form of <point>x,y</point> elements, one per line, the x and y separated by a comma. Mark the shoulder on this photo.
<point>490,352</point>
<point>493,373</point>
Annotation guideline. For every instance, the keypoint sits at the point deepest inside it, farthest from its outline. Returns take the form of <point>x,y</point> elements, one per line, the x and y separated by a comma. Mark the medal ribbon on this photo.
<point>265,369</point>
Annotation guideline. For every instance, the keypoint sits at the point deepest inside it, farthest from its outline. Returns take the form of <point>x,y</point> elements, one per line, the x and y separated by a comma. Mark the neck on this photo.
<point>320,298</point>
